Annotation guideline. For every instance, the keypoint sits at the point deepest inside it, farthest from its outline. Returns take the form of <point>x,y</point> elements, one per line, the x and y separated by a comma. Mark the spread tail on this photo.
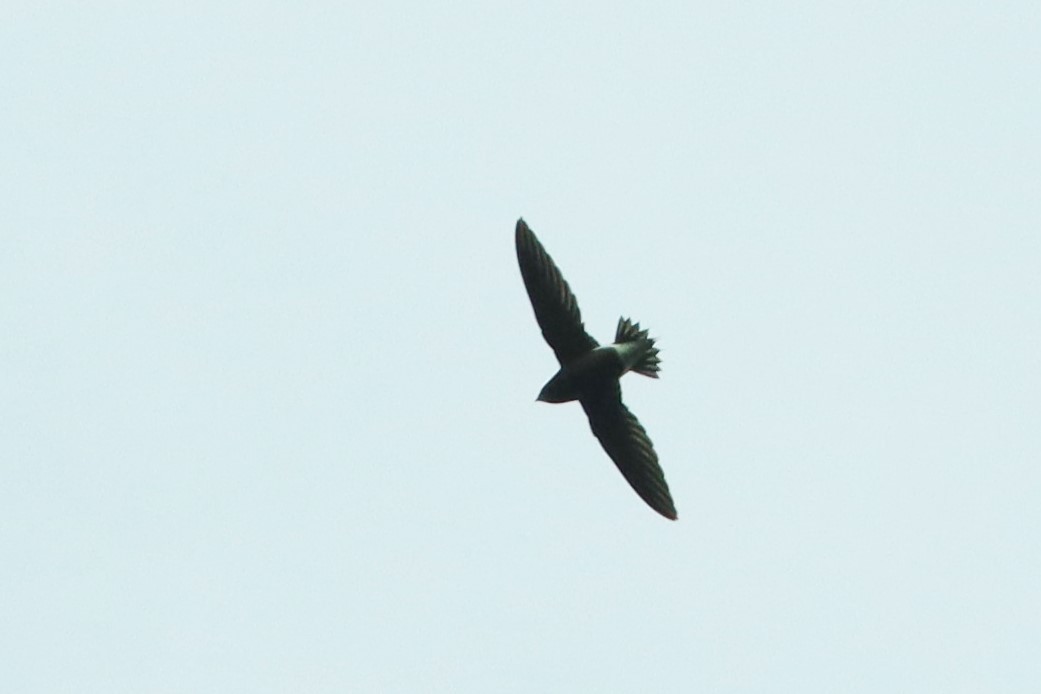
<point>648,363</point>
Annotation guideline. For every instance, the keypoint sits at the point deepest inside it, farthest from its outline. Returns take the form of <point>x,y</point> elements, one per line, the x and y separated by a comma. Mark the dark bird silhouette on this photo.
<point>589,372</point>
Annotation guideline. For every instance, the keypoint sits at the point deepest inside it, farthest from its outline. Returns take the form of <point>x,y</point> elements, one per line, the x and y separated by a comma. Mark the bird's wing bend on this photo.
<point>626,441</point>
<point>556,308</point>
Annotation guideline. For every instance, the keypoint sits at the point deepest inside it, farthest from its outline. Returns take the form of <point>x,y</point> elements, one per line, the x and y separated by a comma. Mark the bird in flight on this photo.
<point>589,372</point>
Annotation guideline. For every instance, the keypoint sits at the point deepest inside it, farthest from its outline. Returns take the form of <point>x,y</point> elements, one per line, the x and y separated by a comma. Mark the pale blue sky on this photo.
<point>267,418</point>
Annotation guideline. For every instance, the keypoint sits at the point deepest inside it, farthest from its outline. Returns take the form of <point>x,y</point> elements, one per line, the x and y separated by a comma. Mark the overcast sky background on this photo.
<point>267,416</point>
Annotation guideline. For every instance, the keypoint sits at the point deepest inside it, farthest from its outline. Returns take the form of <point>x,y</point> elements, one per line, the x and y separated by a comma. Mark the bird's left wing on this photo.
<point>556,308</point>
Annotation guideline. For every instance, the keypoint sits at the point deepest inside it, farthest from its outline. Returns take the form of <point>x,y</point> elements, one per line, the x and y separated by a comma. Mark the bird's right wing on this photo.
<point>556,308</point>
<point>626,441</point>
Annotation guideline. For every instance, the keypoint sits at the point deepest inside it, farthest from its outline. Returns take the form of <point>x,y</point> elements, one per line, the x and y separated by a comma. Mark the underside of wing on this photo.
<point>626,441</point>
<point>556,308</point>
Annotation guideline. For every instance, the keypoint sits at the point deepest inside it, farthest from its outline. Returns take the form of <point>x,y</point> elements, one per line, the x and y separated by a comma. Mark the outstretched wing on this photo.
<point>556,308</point>
<point>626,441</point>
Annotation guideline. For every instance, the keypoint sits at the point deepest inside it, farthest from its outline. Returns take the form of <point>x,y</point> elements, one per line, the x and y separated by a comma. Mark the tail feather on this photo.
<point>649,363</point>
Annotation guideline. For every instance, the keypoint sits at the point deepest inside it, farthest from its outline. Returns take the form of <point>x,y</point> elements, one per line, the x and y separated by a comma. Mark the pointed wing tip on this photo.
<point>524,236</point>
<point>664,508</point>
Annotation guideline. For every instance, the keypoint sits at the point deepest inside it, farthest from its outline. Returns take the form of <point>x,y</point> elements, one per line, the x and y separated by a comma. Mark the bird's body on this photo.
<point>590,372</point>
<point>583,375</point>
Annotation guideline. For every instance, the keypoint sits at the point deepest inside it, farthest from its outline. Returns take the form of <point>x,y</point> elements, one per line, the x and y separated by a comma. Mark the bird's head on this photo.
<point>558,389</point>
